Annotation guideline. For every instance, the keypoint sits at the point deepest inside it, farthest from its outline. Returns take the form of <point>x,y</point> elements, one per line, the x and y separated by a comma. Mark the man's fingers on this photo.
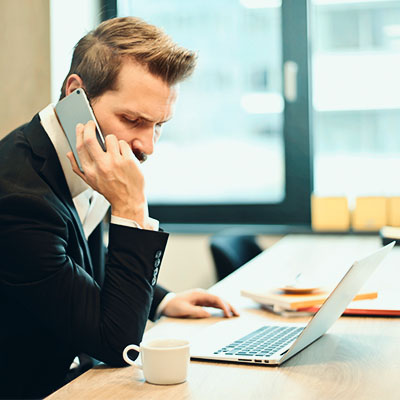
<point>190,304</point>
<point>90,141</point>
<point>233,310</point>
<point>211,300</point>
<point>127,152</point>
<point>199,312</point>
<point>74,165</point>
<point>83,154</point>
<point>216,301</point>
<point>112,145</point>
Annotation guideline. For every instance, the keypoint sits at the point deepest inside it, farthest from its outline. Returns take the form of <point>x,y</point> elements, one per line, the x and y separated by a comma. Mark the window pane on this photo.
<point>225,143</point>
<point>356,96</point>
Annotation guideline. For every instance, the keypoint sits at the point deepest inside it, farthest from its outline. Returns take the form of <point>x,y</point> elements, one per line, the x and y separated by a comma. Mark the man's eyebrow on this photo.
<point>135,114</point>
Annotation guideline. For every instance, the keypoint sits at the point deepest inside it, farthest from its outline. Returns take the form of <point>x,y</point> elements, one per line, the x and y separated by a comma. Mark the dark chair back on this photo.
<point>232,251</point>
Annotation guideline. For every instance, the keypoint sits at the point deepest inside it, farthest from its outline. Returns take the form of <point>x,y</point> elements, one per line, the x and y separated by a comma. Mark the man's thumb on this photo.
<point>200,312</point>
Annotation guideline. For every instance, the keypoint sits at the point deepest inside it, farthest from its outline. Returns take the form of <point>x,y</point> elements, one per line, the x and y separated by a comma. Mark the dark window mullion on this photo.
<point>297,126</point>
<point>108,9</point>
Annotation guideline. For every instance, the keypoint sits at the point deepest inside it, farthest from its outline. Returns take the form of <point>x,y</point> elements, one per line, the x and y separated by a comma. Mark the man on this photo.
<point>59,295</point>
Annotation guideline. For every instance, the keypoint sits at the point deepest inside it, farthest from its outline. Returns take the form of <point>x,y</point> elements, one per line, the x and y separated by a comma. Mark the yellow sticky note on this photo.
<point>393,211</point>
<point>370,213</point>
<point>330,214</point>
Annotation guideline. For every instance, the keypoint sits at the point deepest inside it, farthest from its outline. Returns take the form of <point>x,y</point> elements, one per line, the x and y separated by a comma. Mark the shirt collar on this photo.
<point>53,129</point>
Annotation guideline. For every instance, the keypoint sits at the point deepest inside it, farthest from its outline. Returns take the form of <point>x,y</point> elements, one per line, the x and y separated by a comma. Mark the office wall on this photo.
<point>188,262</point>
<point>25,61</point>
<point>36,42</point>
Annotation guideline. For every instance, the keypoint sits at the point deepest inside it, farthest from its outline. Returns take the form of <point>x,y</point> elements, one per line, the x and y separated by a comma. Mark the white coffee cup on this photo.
<point>164,361</point>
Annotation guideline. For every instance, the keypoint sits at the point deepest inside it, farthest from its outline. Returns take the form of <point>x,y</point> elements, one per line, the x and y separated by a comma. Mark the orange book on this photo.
<point>387,304</point>
<point>279,299</point>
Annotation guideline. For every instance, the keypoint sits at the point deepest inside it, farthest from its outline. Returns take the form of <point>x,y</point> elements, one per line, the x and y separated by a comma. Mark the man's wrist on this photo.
<point>125,222</point>
<point>167,298</point>
<point>152,224</point>
<point>133,216</point>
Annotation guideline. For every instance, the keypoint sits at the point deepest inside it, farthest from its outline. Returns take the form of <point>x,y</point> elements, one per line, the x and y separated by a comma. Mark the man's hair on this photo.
<point>98,56</point>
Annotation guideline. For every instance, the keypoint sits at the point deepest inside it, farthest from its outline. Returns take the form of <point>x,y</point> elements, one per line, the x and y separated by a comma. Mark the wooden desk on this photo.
<point>359,358</point>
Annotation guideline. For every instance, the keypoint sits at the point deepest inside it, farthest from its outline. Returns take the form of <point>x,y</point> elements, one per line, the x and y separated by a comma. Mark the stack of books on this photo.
<point>297,304</point>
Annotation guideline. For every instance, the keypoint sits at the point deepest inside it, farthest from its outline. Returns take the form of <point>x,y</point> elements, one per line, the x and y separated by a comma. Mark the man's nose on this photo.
<point>145,143</point>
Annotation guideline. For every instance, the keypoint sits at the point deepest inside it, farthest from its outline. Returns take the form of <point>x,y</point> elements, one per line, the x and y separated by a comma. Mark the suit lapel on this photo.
<point>50,169</point>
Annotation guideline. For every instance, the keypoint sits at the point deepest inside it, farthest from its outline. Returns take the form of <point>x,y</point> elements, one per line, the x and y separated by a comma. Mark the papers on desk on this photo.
<point>298,304</point>
<point>387,304</point>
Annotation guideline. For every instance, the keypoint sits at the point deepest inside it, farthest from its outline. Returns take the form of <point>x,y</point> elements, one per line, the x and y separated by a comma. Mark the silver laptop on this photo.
<point>273,344</point>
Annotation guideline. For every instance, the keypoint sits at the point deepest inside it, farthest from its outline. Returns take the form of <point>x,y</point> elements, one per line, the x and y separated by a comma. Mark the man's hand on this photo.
<point>115,173</point>
<point>189,304</point>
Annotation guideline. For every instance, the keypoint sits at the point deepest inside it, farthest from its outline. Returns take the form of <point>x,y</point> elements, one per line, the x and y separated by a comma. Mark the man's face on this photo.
<point>136,109</point>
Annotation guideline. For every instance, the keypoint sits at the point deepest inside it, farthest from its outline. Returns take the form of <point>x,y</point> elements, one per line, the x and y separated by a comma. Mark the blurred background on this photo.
<point>290,98</point>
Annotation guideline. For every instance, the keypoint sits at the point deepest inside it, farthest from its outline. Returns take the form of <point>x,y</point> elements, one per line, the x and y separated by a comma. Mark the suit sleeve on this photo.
<point>38,271</point>
<point>159,294</point>
<point>98,253</point>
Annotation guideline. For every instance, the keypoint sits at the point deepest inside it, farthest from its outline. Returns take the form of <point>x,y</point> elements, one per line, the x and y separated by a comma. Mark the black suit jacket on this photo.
<point>58,298</point>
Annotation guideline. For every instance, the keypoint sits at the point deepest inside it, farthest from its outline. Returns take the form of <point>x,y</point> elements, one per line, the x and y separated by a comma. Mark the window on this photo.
<point>228,124</point>
<point>237,150</point>
<point>356,97</point>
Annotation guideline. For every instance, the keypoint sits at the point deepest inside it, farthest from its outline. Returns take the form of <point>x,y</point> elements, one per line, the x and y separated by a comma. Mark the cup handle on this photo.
<point>125,353</point>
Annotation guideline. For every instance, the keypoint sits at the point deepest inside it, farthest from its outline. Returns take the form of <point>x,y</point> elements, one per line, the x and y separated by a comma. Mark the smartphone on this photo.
<point>72,110</point>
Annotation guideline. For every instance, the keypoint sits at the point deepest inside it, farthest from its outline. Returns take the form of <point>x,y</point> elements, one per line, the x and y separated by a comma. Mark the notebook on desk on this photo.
<point>273,344</point>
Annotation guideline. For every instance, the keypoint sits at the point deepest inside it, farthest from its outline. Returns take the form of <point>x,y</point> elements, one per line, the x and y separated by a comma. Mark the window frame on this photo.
<point>295,209</point>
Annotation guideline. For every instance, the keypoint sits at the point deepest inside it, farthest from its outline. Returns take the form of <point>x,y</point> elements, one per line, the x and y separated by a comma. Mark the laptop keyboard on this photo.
<point>263,342</point>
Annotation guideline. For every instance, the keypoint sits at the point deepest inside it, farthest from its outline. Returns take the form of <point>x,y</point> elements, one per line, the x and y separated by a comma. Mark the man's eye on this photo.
<point>157,129</point>
<point>133,122</point>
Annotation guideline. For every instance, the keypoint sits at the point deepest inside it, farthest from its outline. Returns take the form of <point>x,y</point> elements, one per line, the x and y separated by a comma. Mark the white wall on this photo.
<point>25,61</point>
<point>69,21</point>
<point>188,263</point>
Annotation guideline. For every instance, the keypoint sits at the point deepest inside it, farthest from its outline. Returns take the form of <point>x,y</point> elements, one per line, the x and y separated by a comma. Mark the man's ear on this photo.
<point>74,81</point>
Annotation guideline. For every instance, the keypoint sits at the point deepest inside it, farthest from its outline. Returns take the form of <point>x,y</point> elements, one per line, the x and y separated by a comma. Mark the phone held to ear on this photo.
<point>72,110</point>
